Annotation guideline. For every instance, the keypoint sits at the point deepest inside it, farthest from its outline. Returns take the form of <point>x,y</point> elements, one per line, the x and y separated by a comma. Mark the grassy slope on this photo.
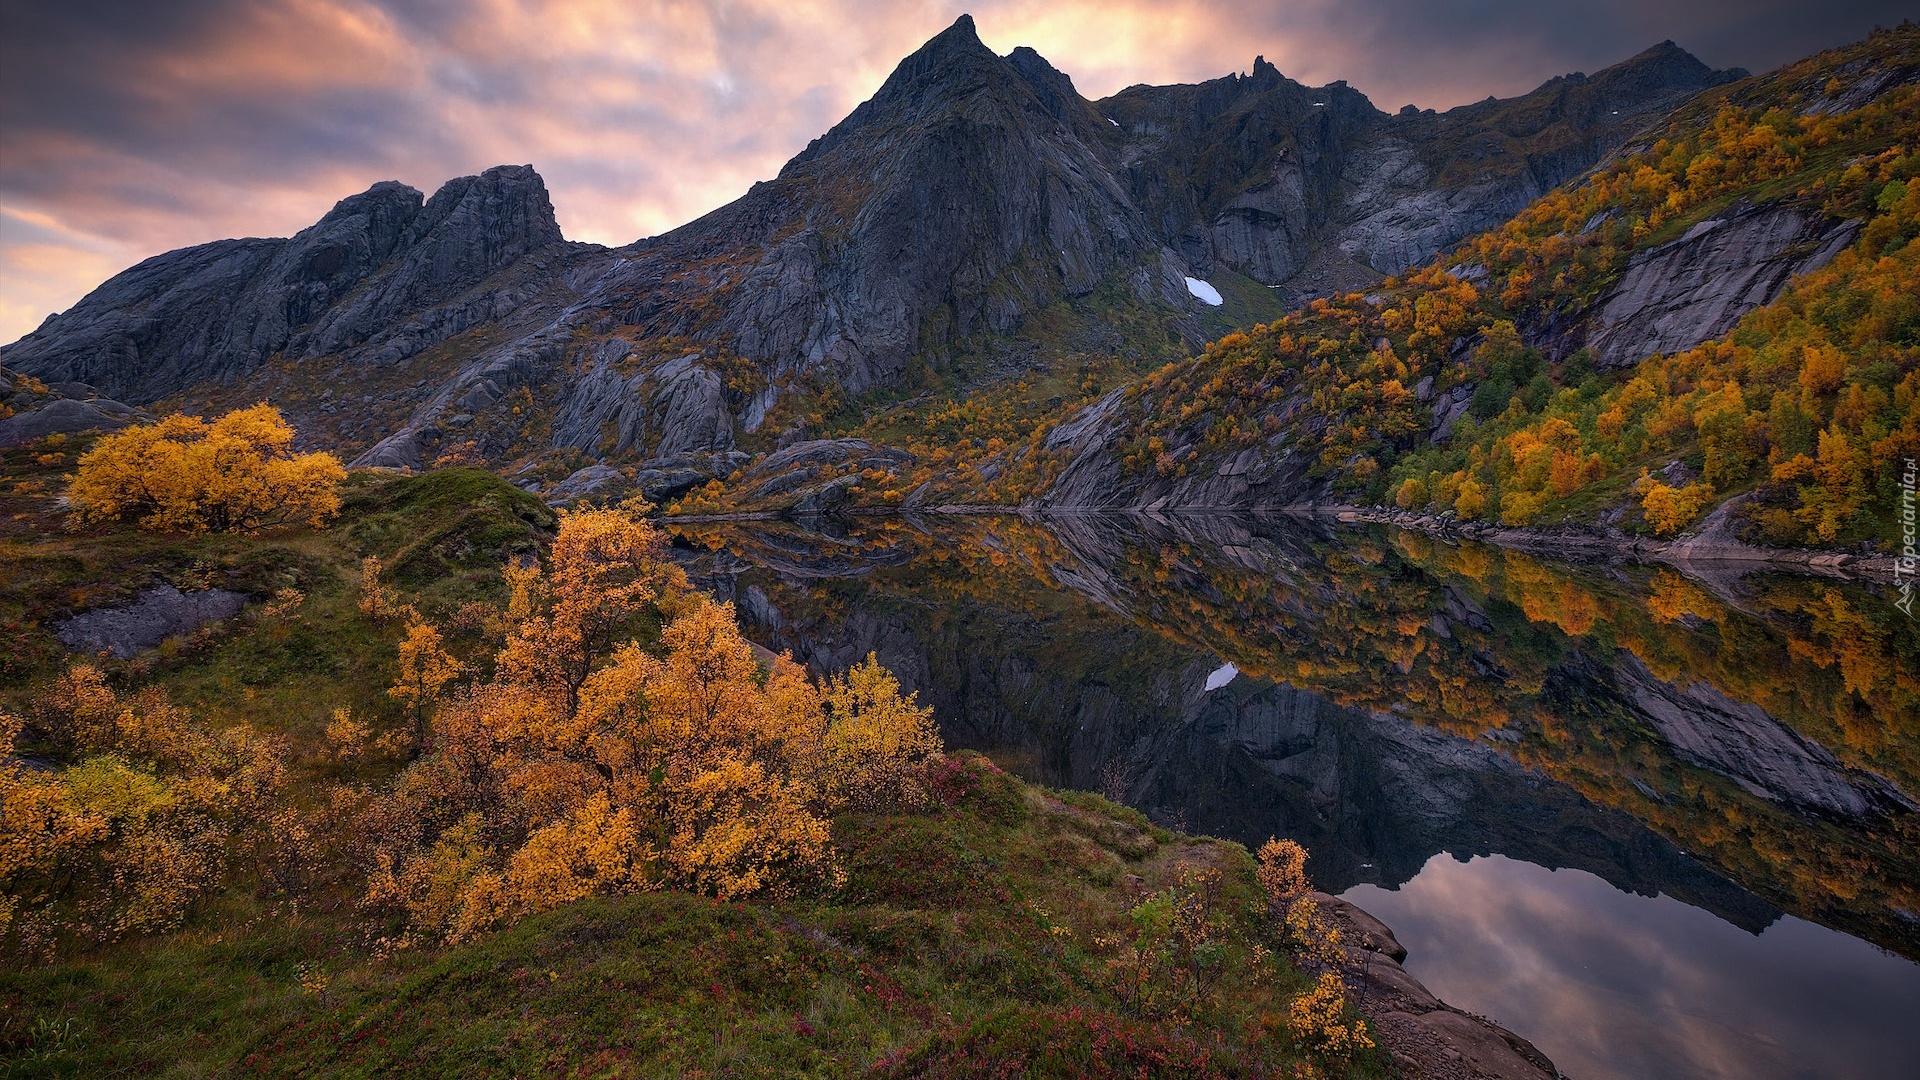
<point>443,537</point>
<point>983,930</point>
<point>963,937</point>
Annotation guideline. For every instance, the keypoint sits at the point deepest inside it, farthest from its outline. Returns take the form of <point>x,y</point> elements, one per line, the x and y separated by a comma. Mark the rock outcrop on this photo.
<point>160,613</point>
<point>668,410</point>
<point>31,410</point>
<point>1696,288</point>
<point>1410,1019</point>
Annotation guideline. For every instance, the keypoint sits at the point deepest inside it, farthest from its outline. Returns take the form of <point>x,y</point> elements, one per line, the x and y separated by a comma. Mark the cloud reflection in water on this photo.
<point>1613,985</point>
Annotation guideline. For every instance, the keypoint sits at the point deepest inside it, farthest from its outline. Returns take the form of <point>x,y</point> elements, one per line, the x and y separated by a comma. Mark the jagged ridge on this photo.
<point>969,193</point>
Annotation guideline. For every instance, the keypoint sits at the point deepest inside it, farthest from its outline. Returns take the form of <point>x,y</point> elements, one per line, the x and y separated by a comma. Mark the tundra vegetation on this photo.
<point>486,787</point>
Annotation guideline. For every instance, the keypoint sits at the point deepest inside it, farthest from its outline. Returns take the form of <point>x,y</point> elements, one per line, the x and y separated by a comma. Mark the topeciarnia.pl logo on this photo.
<point>1905,564</point>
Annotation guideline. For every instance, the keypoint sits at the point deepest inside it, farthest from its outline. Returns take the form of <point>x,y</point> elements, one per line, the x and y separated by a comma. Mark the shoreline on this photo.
<point>1709,550</point>
<point>1426,1038</point>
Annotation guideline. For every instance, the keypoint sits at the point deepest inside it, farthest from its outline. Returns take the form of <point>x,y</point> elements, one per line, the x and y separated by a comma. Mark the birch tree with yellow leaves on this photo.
<point>238,473</point>
<point>588,764</point>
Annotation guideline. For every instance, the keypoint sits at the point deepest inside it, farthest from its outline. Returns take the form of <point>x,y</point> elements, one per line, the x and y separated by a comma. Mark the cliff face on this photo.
<point>1268,177</point>
<point>1696,288</point>
<point>970,192</point>
<point>384,273</point>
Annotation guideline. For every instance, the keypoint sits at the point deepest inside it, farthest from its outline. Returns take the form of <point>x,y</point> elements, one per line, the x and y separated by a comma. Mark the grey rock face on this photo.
<point>670,410</point>
<point>1265,476</point>
<point>1257,171</point>
<point>1696,288</point>
<point>967,196</point>
<point>583,482</point>
<point>816,452</point>
<point>161,612</point>
<point>692,409</point>
<point>1759,753</point>
<point>366,273</point>
<point>64,416</point>
<point>1398,217</point>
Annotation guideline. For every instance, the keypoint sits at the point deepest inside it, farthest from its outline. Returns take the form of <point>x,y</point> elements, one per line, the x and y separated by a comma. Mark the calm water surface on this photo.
<point>1661,825</point>
<point>1613,985</point>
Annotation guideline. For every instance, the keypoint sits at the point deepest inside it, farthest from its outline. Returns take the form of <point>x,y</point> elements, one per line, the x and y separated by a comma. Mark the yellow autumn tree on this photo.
<point>1670,509</point>
<point>877,742</point>
<point>425,670</point>
<point>591,765</point>
<point>238,473</point>
<point>606,566</point>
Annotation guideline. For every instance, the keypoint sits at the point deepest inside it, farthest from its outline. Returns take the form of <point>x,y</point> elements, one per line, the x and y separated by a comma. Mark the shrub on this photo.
<point>1283,873</point>
<point>878,744</point>
<point>1671,509</point>
<point>586,766</point>
<point>1318,1019</point>
<point>124,839</point>
<point>236,474</point>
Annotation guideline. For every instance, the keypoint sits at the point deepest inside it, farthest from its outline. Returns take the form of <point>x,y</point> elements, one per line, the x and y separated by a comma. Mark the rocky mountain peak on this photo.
<point>375,261</point>
<point>386,198</point>
<point>505,210</point>
<point>953,67</point>
<point>1053,87</point>
<point>1659,69</point>
<point>361,231</point>
<point>954,45</point>
<point>1265,76</point>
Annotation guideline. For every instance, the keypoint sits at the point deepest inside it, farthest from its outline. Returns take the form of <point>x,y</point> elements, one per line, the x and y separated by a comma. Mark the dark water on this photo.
<point>1660,825</point>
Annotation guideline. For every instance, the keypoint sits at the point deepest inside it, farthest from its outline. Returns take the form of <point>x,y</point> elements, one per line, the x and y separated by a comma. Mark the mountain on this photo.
<point>975,219</point>
<point>1714,331</point>
<point>381,270</point>
<point>1266,176</point>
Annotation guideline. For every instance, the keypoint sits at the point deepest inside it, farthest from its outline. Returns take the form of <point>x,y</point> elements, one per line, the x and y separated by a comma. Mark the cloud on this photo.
<point>1611,984</point>
<point>135,127</point>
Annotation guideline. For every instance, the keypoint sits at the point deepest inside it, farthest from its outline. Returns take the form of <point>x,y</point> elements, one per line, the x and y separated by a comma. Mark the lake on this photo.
<point>1658,824</point>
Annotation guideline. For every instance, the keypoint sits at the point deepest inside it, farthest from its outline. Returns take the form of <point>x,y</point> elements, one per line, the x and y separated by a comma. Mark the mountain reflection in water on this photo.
<point>1744,747</point>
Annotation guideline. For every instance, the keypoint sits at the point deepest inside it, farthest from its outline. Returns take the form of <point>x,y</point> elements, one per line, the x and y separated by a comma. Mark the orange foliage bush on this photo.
<point>236,474</point>
<point>143,822</point>
<point>587,765</point>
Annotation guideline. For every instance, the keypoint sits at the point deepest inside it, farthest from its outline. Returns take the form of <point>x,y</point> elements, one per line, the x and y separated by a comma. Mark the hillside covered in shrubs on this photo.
<point>477,786</point>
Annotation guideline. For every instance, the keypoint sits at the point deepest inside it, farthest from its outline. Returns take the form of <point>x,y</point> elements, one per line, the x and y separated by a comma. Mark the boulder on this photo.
<point>161,612</point>
<point>588,481</point>
<point>65,416</point>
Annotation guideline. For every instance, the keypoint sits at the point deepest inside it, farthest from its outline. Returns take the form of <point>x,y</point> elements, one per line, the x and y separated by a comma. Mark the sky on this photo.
<point>132,127</point>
